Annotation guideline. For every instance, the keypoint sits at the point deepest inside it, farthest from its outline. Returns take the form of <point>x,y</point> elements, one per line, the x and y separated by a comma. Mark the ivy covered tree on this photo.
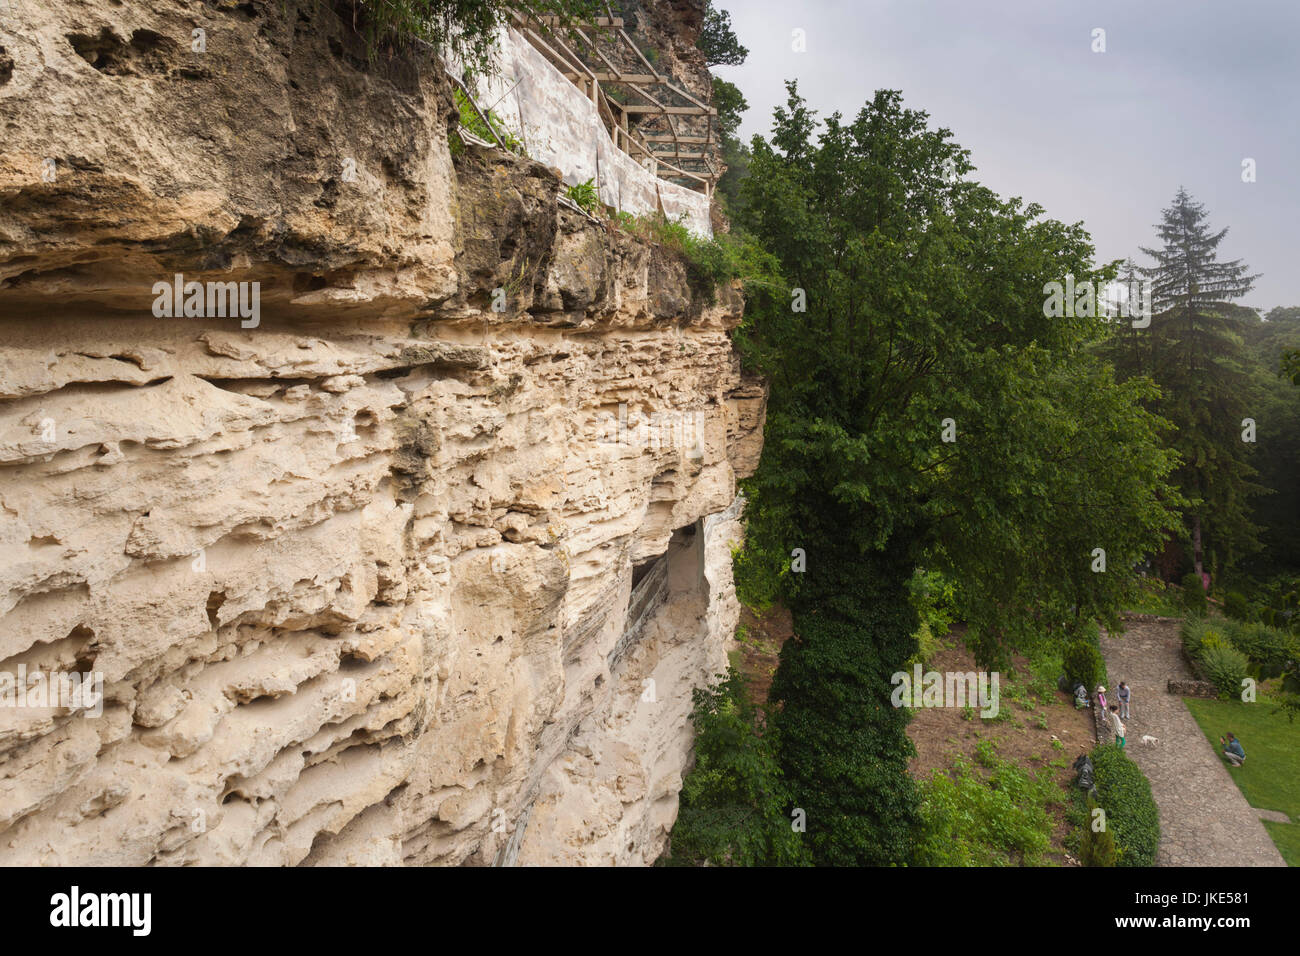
<point>1193,350</point>
<point>923,410</point>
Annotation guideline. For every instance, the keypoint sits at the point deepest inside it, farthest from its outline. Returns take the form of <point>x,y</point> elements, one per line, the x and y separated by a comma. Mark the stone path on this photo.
<point>1204,819</point>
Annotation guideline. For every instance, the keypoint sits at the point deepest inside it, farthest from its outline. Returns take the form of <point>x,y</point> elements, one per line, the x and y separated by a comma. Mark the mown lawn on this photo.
<point>1270,777</point>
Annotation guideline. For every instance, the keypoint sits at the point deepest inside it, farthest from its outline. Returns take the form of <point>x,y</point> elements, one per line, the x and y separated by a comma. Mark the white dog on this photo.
<point>1149,740</point>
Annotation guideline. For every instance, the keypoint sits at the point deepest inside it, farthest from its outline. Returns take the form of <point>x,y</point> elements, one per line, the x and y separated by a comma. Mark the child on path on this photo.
<point>1118,725</point>
<point>1101,698</point>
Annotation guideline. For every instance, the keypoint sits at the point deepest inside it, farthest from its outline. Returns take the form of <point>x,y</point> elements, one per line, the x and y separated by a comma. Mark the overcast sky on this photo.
<point>1185,91</point>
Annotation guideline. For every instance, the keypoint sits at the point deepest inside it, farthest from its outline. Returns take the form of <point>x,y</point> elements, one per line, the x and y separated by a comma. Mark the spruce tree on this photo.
<point>1194,351</point>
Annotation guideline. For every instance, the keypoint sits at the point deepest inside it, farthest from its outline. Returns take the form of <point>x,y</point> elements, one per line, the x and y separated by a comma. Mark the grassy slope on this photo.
<point>1270,777</point>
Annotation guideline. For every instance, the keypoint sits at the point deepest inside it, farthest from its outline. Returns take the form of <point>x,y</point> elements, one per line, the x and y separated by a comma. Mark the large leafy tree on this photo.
<point>1193,350</point>
<point>924,321</point>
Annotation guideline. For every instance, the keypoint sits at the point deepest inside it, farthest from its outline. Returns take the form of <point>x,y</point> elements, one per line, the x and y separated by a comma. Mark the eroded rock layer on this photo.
<point>422,567</point>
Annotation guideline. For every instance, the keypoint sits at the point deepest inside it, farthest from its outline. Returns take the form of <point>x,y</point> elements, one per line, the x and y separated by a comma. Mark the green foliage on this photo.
<point>924,302</point>
<point>843,746</point>
<point>935,598</point>
<point>585,195</point>
<point>923,297</point>
<point>1195,630</point>
<point>1153,596</point>
<point>1236,606</point>
<point>1194,351</point>
<point>1290,366</point>
<point>471,120</point>
<point>717,40</point>
<point>1131,814</point>
<point>1224,648</point>
<point>710,262</point>
<point>927,645</point>
<point>1225,666</point>
<point>1194,600</point>
<point>1272,649</point>
<point>969,819</point>
<point>733,809</point>
<point>731,105</point>
<point>1097,848</point>
<point>1276,410</point>
<point>465,28</point>
<point>1083,662</point>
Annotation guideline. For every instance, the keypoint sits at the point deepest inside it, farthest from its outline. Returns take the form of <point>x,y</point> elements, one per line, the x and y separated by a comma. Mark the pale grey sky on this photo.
<point>1185,91</point>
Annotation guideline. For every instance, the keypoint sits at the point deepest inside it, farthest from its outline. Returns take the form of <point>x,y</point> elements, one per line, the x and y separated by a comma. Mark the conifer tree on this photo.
<point>1194,352</point>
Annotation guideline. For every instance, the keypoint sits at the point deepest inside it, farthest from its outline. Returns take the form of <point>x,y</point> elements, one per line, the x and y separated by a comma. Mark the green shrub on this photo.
<point>932,596</point>
<point>927,645</point>
<point>1273,650</point>
<point>1236,606</point>
<point>1097,848</point>
<point>1213,642</point>
<point>1225,666</point>
<point>1193,593</point>
<point>1083,663</point>
<point>733,801</point>
<point>935,599</point>
<point>1131,814</point>
<point>1197,630</point>
<point>710,262</point>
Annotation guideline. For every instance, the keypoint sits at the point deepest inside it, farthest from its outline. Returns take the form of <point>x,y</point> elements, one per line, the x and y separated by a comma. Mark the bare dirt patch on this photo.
<point>1022,735</point>
<point>758,648</point>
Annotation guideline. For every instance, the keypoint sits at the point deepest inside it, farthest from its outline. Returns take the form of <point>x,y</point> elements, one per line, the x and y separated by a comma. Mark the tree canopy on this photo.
<point>718,41</point>
<point>923,408</point>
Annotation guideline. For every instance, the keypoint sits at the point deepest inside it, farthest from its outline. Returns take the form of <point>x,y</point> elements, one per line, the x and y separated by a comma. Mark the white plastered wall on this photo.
<point>559,126</point>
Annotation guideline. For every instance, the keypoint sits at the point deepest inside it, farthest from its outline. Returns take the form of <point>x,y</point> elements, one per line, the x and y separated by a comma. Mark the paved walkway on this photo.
<point>1204,819</point>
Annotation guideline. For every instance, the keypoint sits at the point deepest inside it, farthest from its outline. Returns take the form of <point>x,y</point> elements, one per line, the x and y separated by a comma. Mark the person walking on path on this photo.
<point>1232,750</point>
<point>1124,695</point>
<point>1118,725</point>
<point>1101,699</point>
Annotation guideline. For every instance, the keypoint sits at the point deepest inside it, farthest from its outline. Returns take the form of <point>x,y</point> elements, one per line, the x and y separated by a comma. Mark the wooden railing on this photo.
<point>543,34</point>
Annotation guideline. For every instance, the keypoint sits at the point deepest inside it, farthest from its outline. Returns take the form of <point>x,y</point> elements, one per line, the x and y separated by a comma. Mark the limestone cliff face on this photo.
<point>420,568</point>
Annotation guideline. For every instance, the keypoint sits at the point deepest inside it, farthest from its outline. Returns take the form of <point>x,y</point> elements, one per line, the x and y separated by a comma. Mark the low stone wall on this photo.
<point>1192,688</point>
<point>1101,726</point>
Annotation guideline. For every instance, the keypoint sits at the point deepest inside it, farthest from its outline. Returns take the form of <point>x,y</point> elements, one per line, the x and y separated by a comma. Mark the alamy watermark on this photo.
<point>208,300</point>
<point>948,689</point>
<point>682,430</point>
<point>1124,299</point>
<point>57,689</point>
